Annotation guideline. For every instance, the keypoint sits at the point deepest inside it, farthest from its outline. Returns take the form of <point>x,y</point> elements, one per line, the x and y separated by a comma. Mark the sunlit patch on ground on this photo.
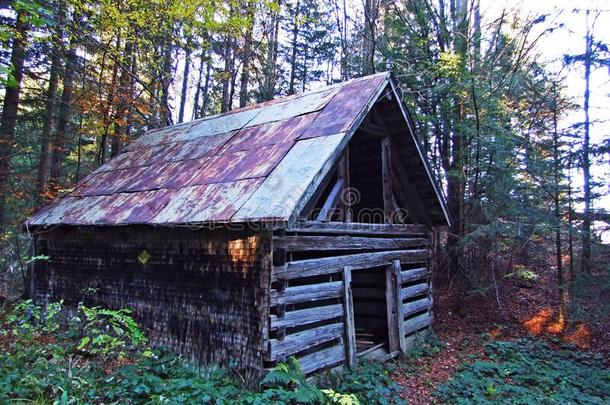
<point>581,337</point>
<point>537,323</point>
<point>545,320</point>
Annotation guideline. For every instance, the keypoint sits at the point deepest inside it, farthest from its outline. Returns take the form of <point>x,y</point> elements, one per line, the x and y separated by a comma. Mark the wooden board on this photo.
<point>350,327</point>
<point>356,228</point>
<point>301,341</point>
<point>306,316</point>
<point>411,308</point>
<point>414,274</point>
<point>307,293</point>
<point>418,322</point>
<point>414,290</point>
<point>342,243</point>
<point>329,265</point>
<point>323,359</point>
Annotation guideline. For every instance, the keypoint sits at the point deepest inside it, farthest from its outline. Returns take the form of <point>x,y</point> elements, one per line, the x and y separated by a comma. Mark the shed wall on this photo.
<point>204,294</point>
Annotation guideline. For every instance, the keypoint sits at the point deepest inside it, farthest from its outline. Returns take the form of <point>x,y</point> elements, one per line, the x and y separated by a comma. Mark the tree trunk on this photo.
<point>245,65</point>
<point>198,86</point>
<point>65,113</point>
<point>585,264</point>
<point>9,110</point>
<point>368,41</point>
<point>185,81</point>
<point>44,165</point>
<point>293,56</point>
<point>272,48</point>
<point>121,119</point>
<point>225,104</point>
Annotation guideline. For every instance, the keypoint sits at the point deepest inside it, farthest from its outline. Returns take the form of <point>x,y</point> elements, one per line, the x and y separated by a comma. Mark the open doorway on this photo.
<point>370,312</point>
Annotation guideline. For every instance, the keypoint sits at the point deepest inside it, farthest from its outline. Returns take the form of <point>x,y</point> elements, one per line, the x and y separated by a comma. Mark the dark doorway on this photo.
<point>370,310</point>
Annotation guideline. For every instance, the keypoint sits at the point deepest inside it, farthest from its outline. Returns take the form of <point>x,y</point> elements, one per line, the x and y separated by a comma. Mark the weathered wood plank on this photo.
<point>307,293</point>
<point>298,342</point>
<point>418,322</point>
<point>331,202</point>
<point>391,298</point>
<point>356,228</point>
<point>322,359</point>
<point>386,180</point>
<point>411,308</point>
<point>414,290</point>
<point>329,265</point>
<point>413,274</point>
<point>323,243</point>
<point>399,310</point>
<point>350,327</point>
<point>306,316</point>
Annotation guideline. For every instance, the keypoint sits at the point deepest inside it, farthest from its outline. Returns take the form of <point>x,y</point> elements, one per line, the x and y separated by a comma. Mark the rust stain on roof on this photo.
<point>206,170</point>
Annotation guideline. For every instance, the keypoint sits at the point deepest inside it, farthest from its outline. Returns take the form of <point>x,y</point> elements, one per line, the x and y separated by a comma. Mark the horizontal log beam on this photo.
<point>414,290</point>
<point>306,316</point>
<point>306,293</point>
<point>407,276</point>
<point>329,265</point>
<point>298,342</point>
<point>356,228</point>
<point>322,359</point>
<point>341,243</point>
<point>418,322</point>
<point>414,307</point>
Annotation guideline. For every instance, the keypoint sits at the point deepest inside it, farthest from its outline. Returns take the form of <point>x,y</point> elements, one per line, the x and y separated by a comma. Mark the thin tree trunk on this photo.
<point>245,65</point>
<point>185,81</point>
<point>9,109</point>
<point>65,114</point>
<point>198,86</point>
<point>272,48</point>
<point>44,166</point>
<point>121,119</point>
<point>293,56</point>
<point>585,264</point>
<point>225,104</point>
<point>561,282</point>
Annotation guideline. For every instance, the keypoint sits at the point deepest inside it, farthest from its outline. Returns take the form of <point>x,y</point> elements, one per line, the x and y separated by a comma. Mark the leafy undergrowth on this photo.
<point>528,371</point>
<point>96,355</point>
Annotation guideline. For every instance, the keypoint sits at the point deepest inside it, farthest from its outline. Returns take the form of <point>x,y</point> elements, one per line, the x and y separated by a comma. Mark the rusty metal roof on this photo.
<point>258,163</point>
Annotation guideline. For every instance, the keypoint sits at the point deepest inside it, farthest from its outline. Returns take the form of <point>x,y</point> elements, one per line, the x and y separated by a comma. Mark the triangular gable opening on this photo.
<point>380,177</point>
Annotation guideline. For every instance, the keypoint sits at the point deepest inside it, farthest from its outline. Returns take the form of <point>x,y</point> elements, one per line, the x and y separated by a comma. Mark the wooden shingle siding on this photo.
<point>202,294</point>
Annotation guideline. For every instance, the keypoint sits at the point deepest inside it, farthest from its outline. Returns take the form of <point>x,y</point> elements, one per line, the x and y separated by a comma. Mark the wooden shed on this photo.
<point>296,227</point>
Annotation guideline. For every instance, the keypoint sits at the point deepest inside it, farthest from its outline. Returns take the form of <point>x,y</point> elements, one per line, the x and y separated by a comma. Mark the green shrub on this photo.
<point>98,355</point>
<point>530,372</point>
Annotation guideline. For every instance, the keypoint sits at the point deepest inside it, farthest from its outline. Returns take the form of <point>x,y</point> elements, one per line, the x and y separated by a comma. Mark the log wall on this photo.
<point>316,266</point>
<point>200,293</point>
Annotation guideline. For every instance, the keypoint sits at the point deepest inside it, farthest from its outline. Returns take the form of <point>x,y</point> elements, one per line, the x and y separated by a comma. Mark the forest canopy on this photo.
<point>80,79</point>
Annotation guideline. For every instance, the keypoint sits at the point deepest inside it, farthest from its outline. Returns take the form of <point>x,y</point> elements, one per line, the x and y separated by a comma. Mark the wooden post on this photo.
<point>396,334</point>
<point>348,310</point>
<point>386,179</point>
<point>343,172</point>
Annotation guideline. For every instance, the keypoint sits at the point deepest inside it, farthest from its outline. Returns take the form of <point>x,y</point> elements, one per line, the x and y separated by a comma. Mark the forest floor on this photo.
<point>525,309</point>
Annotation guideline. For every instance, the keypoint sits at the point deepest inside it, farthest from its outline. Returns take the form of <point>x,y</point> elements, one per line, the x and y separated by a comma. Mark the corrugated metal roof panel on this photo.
<point>207,203</point>
<point>253,164</point>
<point>341,112</point>
<point>282,190</point>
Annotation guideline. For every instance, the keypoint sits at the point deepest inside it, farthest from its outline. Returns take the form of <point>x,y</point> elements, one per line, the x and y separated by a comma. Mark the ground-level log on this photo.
<point>418,322</point>
<point>329,265</point>
<point>306,316</point>
<point>414,290</point>
<point>356,228</point>
<point>344,243</point>
<point>301,341</point>
<point>307,293</point>
<point>411,308</point>
<point>324,358</point>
